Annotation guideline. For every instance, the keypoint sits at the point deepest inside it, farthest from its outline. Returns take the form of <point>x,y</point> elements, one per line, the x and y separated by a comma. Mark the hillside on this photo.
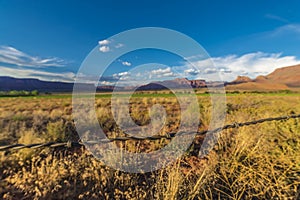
<point>281,79</point>
<point>29,84</point>
<point>289,76</point>
<point>175,83</point>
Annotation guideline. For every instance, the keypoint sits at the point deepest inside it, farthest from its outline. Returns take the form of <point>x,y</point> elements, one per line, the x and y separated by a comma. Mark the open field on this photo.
<point>253,162</point>
<point>166,93</point>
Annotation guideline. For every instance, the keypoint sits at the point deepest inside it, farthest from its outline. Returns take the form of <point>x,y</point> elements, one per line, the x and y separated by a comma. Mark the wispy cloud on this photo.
<point>13,56</point>
<point>288,28</point>
<point>119,45</point>
<point>16,63</point>
<point>276,17</point>
<point>39,74</point>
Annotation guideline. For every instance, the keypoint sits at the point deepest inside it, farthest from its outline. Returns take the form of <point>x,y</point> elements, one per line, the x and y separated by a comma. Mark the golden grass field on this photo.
<point>253,162</point>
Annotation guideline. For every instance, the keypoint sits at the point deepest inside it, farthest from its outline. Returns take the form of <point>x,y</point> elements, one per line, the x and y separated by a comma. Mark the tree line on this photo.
<point>15,93</point>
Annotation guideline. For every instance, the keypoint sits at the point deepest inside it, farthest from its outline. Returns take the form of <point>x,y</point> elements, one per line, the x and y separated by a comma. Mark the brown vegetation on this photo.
<point>254,162</point>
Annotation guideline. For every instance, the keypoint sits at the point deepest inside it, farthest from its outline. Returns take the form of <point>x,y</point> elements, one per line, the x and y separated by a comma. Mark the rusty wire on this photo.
<point>168,136</point>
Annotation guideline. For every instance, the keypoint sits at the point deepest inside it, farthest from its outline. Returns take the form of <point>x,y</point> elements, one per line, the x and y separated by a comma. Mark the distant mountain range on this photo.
<point>9,83</point>
<point>281,79</point>
<point>29,84</point>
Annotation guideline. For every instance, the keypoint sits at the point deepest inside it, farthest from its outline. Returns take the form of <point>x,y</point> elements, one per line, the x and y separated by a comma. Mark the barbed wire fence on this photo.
<point>169,136</point>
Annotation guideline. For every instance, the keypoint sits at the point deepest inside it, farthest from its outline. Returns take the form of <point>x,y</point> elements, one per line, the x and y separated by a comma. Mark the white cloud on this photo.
<point>38,74</point>
<point>225,70</point>
<point>125,78</point>
<point>161,71</point>
<point>16,63</point>
<point>104,49</point>
<point>251,64</point>
<point>124,73</point>
<point>255,63</point>
<point>104,46</point>
<point>11,55</point>
<point>109,45</point>
<point>210,70</point>
<point>104,42</point>
<point>167,72</point>
<point>106,83</point>
<point>126,63</point>
<point>122,76</point>
<point>191,72</point>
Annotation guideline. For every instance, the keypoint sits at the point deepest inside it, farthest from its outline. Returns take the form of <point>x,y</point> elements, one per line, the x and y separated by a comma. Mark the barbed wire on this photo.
<point>168,136</point>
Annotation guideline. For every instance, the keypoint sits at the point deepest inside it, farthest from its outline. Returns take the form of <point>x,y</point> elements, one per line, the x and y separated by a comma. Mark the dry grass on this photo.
<point>255,162</point>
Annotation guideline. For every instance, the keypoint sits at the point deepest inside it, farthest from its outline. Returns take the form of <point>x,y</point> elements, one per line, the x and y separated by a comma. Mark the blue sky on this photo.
<point>50,39</point>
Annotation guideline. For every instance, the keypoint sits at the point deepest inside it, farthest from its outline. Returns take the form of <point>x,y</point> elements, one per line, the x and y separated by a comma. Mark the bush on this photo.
<point>55,132</point>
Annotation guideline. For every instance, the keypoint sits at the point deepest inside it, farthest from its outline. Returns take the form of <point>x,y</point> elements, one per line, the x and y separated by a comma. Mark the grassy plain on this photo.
<point>253,162</point>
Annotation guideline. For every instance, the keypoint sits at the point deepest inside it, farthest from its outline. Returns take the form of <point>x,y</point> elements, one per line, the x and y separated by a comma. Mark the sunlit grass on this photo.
<point>254,162</point>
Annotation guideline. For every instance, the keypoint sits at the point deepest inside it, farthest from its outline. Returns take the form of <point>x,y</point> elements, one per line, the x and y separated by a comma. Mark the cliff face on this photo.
<point>198,83</point>
<point>241,79</point>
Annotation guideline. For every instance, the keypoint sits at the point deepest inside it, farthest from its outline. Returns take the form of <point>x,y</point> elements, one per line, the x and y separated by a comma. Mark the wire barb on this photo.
<point>168,136</point>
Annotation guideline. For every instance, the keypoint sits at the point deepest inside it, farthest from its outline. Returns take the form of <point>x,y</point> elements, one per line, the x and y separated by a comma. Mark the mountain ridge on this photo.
<point>283,78</point>
<point>29,84</point>
<point>280,79</point>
